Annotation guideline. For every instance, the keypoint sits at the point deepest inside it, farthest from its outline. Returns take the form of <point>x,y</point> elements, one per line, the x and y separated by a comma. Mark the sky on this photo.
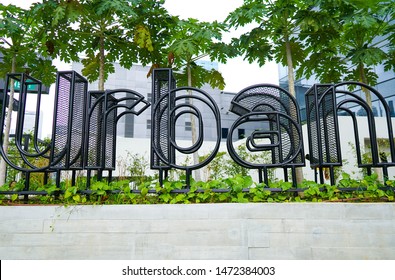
<point>237,73</point>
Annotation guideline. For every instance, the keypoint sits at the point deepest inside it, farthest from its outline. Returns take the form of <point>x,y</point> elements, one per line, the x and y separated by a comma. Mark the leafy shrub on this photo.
<point>236,189</point>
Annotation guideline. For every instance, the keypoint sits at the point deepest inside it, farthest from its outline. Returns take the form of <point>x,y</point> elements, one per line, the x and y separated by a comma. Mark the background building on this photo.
<point>385,85</point>
<point>131,126</point>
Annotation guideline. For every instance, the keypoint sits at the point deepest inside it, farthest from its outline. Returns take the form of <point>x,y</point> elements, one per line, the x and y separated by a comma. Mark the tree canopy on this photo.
<point>21,46</point>
<point>330,39</point>
<point>333,40</point>
<point>193,40</point>
<point>346,39</point>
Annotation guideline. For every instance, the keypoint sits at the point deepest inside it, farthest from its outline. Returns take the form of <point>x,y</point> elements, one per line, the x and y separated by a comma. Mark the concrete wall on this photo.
<point>204,231</point>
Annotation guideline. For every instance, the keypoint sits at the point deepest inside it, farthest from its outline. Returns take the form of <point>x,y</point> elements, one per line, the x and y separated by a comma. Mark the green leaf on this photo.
<point>241,198</point>
<point>237,187</point>
<point>223,196</point>
<point>178,185</point>
<point>101,192</point>
<point>286,186</point>
<point>77,198</point>
<point>144,191</point>
<point>345,176</point>
<point>58,15</point>
<point>142,37</point>
<point>180,198</point>
<point>67,194</point>
<point>126,189</point>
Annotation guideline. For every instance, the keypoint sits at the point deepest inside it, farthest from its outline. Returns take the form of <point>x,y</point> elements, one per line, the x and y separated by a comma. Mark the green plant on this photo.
<point>137,166</point>
<point>224,166</point>
<point>236,189</point>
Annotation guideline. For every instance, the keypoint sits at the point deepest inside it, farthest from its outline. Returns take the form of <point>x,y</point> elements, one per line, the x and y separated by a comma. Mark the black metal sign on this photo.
<point>84,127</point>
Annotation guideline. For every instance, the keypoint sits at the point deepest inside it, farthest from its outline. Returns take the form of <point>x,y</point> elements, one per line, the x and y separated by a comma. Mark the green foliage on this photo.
<point>275,25</point>
<point>104,31</point>
<point>334,40</point>
<point>200,76</point>
<point>36,179</point>
<point>345,39</point>
<point>224,166</point>
<point>21,31</point>
<point>191,41</point>
<point>91,68</point>
<point>137,165</point>
<point>236,189</point>
<point>142,37</point>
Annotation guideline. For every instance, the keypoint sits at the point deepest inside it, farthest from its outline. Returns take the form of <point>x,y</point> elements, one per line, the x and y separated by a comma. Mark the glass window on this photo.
<point>241,133</point>
<point>188,126</point>
<point>225,132</point>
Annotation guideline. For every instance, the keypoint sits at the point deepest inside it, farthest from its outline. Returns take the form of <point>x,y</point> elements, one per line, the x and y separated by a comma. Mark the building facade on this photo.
<point>131,126</point>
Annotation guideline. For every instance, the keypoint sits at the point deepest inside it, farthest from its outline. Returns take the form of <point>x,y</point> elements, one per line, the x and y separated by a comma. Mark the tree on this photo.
<point>161,26</point>
<point>21,48</point>
<point>117,31</point>
<point>346,39</point>
<point>193,40</point>
<point>55,28</point>
<point>390,61</point>
<point>275,35</point>
<point>105,32</point>
<point>103,37</point>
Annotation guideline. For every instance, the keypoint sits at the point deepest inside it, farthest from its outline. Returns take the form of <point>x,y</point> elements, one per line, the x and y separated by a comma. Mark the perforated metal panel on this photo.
<point>162,83</point>
<point>270,98</point>
<point>321,119</point>
<point>110,134</point>
<point>69,121</point>
<point>94,136</point>
<point>263,98</point>
<point>101,131</point>
<point>103,115</point>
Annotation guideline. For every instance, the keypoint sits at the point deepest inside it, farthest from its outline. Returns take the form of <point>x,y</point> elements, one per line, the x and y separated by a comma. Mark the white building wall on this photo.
<point>136,79</point>
<point>141,146</point>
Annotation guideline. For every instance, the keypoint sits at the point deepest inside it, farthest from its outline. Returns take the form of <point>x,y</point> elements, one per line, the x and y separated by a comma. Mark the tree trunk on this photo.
<point>7,128</point>
<point>363,79</point>
<point>291,87</point>
<point>100,83</point>
<point>193,128</point>
<point>101,63</point>
<point>368,97</point>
